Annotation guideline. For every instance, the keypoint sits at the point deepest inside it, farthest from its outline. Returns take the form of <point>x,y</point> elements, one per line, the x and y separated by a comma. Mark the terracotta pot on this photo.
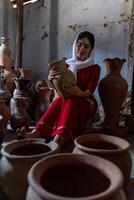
<point>17,158</point>
<point>5,112</point>
<point>129,123</point>
<point>25,73</point>
<point>72,177</point>
<point>19,117</point>
<point>111,148</point>
<point>5,53</point>
<point>61,76</point>
<point>112,91</point>
<point>119,131</point>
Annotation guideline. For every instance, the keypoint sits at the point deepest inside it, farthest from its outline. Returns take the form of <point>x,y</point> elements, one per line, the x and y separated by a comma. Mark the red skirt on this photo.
<point>66,117</point>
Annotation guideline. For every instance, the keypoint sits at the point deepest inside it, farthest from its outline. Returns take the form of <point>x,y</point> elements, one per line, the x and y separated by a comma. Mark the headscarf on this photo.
<point>74,63</point>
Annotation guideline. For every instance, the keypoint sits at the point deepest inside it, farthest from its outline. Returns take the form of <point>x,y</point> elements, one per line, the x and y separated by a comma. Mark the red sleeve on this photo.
<point>94,78</point>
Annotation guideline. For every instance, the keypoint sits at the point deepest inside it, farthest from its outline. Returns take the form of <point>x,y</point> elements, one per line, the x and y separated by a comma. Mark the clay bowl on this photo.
<point>70,176</point>
<point>112,148</point>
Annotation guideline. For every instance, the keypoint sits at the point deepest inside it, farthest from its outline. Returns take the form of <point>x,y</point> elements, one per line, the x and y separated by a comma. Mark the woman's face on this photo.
<point>83,49</point>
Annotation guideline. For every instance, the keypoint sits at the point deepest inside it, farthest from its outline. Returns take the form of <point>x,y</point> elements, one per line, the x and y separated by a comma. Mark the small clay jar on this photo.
<point>72,176</point>
<point>111,148</point>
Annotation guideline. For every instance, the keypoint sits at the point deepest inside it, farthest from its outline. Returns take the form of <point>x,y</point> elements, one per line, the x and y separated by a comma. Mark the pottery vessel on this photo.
<point>60,76</point>
<point>5,53</point>
<point>72,177</point>
<point>42,102</point>
<point>4,92</point>
<point>19,117</point>
<point>5,112</point>
<point>112,91</point>
<point>25,73</point>
<point>111,148</point>
<point>17,158</point>
<point>129,123</point>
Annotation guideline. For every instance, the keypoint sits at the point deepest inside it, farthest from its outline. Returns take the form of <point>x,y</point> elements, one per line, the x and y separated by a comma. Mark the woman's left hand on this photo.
<point>74,90</point>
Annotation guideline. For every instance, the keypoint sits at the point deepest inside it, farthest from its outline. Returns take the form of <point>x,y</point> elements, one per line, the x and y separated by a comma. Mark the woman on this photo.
<point>67,117</point>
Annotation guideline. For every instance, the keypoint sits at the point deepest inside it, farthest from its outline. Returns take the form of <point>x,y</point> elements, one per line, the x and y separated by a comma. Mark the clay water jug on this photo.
<point>17,158</point>
<point>112,91</point>
<point>69,176</point>
<point>60,76</point>
<point>19,117</point>
<point>112,148</point>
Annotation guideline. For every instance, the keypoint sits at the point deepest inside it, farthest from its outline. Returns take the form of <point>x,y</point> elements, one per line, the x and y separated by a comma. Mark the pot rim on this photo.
<point>8,148</point>
<point>35,174</point>
<point>102,137</point>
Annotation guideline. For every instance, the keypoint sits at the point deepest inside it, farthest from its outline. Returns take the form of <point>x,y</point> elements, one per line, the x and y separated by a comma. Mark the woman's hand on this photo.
<point>74,90</point>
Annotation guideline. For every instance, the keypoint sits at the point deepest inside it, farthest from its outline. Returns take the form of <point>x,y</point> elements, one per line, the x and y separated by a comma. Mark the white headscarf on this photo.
<point>75,64</point>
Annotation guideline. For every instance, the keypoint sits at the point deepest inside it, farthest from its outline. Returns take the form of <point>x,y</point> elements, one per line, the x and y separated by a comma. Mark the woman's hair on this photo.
<point>88,35</point>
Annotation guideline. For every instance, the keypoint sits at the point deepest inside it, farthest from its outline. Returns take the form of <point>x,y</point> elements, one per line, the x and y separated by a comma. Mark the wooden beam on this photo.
<point>19,34</point>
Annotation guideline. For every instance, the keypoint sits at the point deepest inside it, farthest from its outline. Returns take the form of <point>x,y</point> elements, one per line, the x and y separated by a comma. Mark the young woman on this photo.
<point>67,117</point>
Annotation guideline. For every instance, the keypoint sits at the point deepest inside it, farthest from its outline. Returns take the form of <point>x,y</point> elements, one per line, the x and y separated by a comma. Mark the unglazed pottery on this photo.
<point>17,158</point>
<point>112,91</point>
<point>111,148</point>
<point>60,76</point>
<point>74,177</point>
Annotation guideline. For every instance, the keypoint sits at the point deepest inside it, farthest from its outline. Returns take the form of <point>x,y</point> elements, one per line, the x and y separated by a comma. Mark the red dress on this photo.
<point>66,117</point>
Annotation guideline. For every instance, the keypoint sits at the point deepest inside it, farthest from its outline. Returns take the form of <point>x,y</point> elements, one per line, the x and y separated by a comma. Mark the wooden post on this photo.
<point>19,34</point>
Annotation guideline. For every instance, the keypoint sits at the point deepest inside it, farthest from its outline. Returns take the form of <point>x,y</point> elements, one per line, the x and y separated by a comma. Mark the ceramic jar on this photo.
<point>112,91</point>
<point>5,53</point>
<point>5,112</point>
<point>17,158</point>
<point>72,177</point>
<point>19,117</point>
<point>111,148</point>
<point>60,76</point>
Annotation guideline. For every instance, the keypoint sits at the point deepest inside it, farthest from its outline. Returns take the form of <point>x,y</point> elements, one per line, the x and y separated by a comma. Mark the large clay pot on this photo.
<point>17,158</point>
<point>72,177</point>
<point>111,148</point>
<point>112,91</point>
<point>61,76</point>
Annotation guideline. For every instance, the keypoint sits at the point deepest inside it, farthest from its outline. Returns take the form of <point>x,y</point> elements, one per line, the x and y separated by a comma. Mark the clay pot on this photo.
<point>5,53</point>
<point>119,131</point>
<point>25,73</point>
<point>129,123</point>
<point>111,148</point>
<point>72,177</point>
<point>112,91</point>
<point>5,112</point>
<point>19,117</point>
<point>62,76</point>
<point>17,158</point>
<point>4,93</point>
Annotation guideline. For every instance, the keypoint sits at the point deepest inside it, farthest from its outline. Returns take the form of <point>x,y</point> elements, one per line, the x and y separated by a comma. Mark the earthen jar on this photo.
<point>69,176</point>
<point>5,53</point>
<point>112,91</point>
<point>62,76</point>
<point>17,158</point>
<point>19,117</point>
<point>111,148</point>
<point>4,92</point>
<point>5,112</point>
<point>129,123</point>
<point>25,73</point>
